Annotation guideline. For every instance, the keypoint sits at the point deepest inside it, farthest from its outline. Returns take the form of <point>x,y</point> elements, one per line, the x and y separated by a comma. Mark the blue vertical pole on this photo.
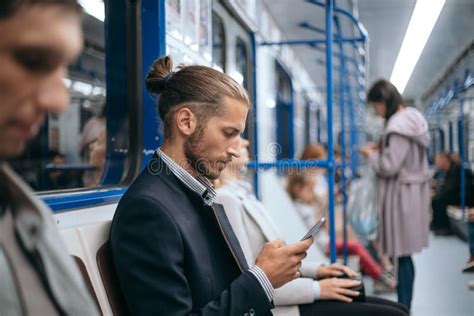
<point>254,112</point>
<point>342,87</point>
<point>329,64</point>
<point>353,135</point>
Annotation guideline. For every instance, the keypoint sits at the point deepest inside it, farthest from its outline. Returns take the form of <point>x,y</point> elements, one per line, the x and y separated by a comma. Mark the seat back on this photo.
<point>87,280</point>
<point>90,244</point>
<point>110,280</point>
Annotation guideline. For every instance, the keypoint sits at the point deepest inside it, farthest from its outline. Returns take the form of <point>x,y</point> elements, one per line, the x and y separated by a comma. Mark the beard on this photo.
<point>195,153</point>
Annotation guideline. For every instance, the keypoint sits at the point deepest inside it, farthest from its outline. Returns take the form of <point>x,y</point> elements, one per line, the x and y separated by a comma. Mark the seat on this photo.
<point>90,244</point>
<point>458,220</point>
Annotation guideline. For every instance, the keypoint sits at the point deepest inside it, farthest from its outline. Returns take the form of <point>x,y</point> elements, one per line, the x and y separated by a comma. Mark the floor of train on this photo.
<point>440,287</point>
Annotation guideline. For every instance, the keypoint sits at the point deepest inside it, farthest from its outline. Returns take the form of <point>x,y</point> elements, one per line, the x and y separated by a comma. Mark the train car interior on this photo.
<point>307,66</point>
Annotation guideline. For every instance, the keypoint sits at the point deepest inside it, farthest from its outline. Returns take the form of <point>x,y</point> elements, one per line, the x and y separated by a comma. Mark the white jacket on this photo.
<point>253,227</point>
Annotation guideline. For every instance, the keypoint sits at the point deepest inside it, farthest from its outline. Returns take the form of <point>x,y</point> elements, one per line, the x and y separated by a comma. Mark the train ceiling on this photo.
<point>386,22</point>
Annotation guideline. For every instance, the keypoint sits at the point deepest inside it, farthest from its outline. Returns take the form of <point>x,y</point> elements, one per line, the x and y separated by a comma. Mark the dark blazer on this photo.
<point>176,256</point>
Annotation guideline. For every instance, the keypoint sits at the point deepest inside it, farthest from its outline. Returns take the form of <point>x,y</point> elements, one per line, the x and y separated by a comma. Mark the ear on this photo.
<point>186,121</point>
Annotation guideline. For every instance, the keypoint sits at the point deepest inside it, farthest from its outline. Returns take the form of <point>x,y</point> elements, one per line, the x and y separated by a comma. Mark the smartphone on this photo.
<point>315,229</point>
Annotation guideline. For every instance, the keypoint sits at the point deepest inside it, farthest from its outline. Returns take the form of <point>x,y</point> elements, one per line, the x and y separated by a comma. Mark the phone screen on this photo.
<point>314,229</point>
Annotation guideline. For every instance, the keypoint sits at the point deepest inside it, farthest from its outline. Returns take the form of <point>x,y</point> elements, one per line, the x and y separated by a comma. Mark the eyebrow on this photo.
<point>51,53</point>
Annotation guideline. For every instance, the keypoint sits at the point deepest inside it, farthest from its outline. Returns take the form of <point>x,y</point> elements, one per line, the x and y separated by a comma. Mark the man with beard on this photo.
<point>174,250</point>
<point>38,40</point>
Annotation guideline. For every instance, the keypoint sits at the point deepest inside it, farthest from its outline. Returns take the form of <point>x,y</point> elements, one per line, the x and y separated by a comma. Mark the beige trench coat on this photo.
<point>403,184</point>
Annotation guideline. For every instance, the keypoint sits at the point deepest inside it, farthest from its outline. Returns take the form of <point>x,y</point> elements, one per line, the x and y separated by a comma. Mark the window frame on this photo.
<point>215,17</point>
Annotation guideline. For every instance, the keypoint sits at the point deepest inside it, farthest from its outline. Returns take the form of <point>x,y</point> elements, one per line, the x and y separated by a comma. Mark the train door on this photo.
<point>437,143</point>
<point>463,138</point>
<point>312,123</point>
<point>284,113</point>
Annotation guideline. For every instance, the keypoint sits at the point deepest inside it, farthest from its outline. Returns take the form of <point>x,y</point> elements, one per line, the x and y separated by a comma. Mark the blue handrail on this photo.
<point>344,88</point>
<point>253,38</point>
<point>455,93</point>
<point>360,26</point>
<point>329,99</point>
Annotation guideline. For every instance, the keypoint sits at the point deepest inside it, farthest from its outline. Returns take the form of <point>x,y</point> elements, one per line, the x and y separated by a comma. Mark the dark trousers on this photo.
<point>372,306</point>
<point>406,279</point>
<point>440,215</point>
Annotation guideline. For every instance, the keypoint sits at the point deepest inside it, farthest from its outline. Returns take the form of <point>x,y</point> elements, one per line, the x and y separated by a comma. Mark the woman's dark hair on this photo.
<point>384,91</point>
<point>295,182</point>
<point>314,152</point>
<point>202,89</point>
<point>10,7</point>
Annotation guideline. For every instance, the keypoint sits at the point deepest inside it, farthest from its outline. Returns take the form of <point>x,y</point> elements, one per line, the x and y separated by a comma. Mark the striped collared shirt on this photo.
<point>204,188</point>
<point>200,184</point>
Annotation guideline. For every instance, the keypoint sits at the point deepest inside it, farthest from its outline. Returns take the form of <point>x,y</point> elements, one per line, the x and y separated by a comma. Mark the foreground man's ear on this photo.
<point>186,121</point>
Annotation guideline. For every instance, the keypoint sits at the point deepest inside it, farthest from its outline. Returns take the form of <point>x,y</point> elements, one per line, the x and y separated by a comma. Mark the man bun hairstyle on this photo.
<point>202,89</point>
<point>159,75</point>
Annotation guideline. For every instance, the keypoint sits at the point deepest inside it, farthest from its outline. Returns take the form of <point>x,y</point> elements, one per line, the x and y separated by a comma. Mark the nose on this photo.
<point>234,149</point>
<point>52,94</point>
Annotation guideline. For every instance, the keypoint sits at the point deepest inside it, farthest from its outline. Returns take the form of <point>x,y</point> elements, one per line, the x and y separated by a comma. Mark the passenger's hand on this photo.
<point>334,270</point>
<point>368,149</point>
<point>281,262</point>
<point>337,289</point>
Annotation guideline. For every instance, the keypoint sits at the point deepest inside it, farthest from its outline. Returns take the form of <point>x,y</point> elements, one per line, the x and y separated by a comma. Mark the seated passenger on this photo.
<point>318,291</point>
<point>38,40</point>
<point>174,250</point>
<point>317,152</point>
<point>300,188</point>
<point>449,192</point>
<point>97,151</point>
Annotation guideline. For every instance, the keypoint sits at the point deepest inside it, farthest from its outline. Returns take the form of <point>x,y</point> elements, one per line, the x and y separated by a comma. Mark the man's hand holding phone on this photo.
<point>281,262</point>
<point>315,229</point>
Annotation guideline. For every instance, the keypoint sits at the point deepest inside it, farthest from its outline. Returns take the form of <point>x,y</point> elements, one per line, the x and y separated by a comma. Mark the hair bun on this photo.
<point>159,74</point>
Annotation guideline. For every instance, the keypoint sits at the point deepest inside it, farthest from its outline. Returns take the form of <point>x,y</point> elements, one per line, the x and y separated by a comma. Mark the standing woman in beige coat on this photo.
<point>318,291</point>
<point>401,165</point>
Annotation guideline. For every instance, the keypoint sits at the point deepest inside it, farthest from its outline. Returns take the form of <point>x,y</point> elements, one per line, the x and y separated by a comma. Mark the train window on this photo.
<point>218,42</point>
<point>318,126</point>
<point>241,64</point>
<point>437,143</point>
<point>450,136</point>
<point>312,123</point>
<point>241,75</point>
<point>70,150</point>
<point>307,122</point>
<point>463,138</point>
<point>284,112</point>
